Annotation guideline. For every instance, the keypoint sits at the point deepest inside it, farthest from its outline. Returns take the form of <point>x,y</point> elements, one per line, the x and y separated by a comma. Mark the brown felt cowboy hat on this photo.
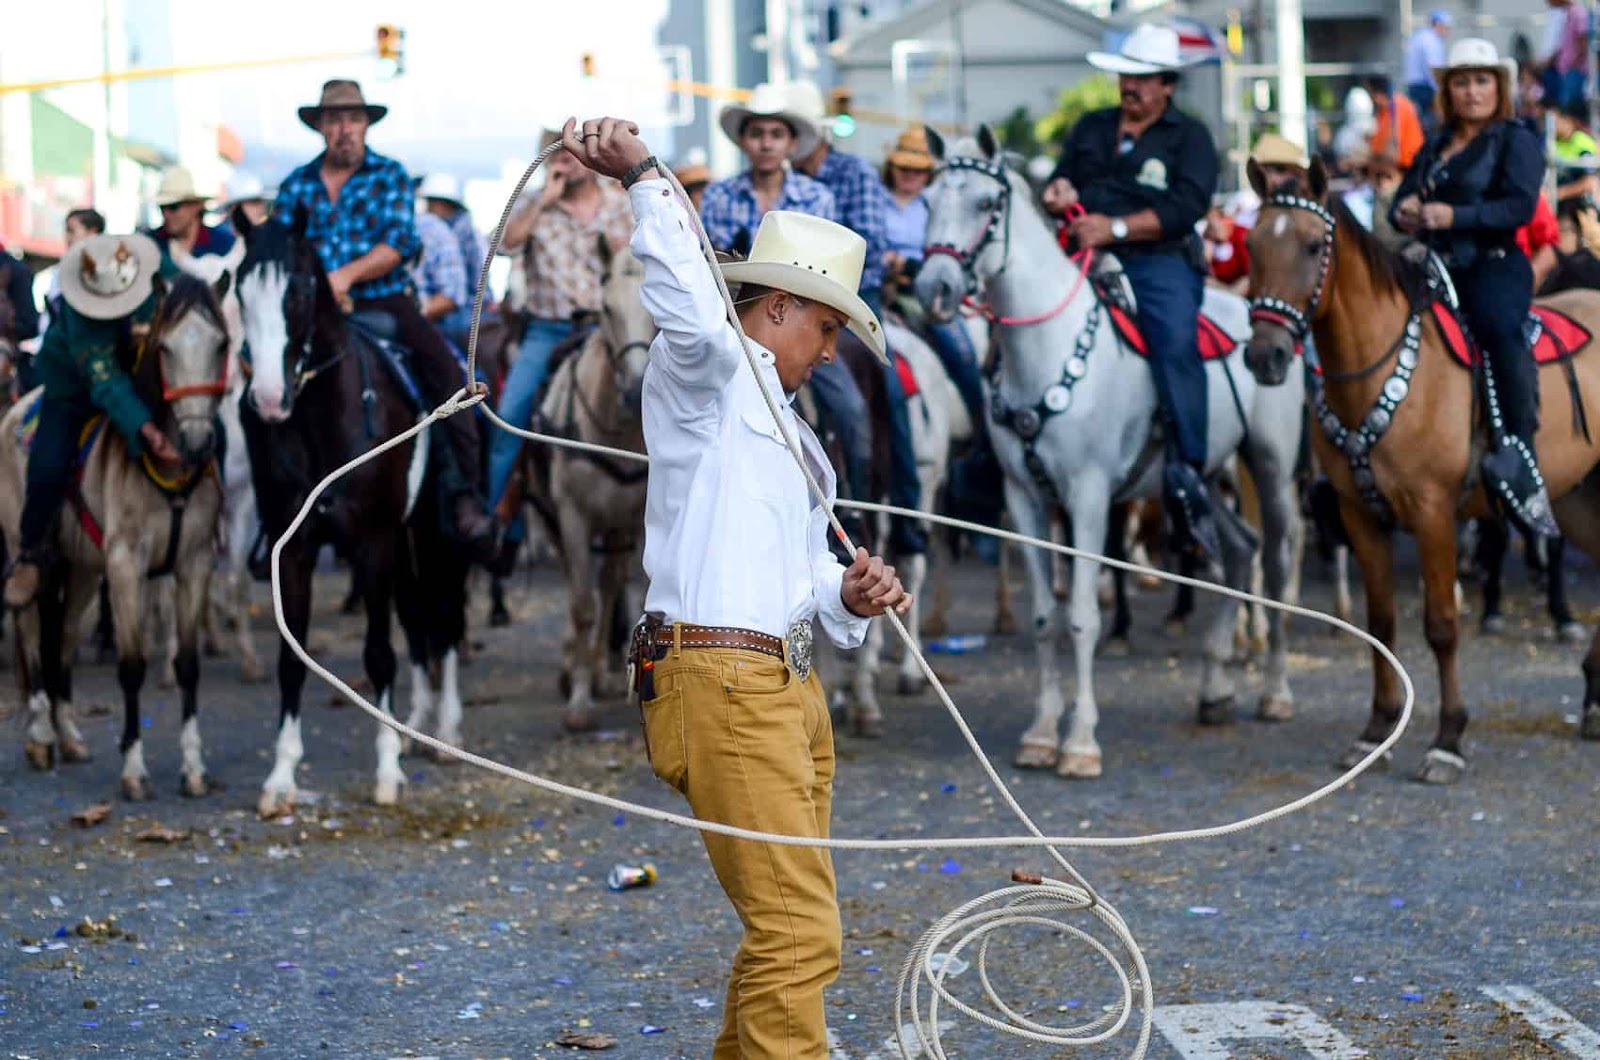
<point>340,94</point>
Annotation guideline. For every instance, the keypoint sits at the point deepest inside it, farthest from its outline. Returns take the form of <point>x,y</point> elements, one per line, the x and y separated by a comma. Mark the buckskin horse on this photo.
<point>1400,428</point>
<point>1076,408</point>
<point>320,394</point>
<point>129,520</point>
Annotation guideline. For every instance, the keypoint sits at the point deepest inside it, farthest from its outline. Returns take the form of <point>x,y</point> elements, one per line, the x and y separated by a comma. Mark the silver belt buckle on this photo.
<point>797,648</point>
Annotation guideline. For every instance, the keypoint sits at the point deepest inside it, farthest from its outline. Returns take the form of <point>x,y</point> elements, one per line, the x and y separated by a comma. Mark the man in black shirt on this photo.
<point>1144,173</point>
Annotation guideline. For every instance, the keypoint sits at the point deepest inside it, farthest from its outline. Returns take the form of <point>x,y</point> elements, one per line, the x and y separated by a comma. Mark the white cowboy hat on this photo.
<point>242,188</point>
<point>1475,53</point>
<point>177,185</point>
<point>1147,50</point>
<point>771,101</point>
<point>445,186</point>
<point>813,259</point>
<point>107,277</point>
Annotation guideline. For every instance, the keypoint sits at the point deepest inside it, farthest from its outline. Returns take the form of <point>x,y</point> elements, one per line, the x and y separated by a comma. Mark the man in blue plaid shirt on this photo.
<point>861,203</point>
<point>361,216</point>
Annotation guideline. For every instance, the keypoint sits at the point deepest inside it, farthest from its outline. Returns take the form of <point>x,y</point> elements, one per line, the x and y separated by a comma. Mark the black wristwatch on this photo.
<point>631,177</point>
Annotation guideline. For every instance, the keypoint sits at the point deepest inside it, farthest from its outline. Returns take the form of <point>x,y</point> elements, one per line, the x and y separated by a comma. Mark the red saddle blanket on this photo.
<point>1214,340</point>
<point>908,378</point>
<point>1552,334</point>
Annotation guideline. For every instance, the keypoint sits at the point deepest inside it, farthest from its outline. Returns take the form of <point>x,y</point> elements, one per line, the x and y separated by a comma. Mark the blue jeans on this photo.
<point>1422,95</point>
<point>845,410</point>
<point>516,403</point>
<point>905,489</point>
<point>954,347</point>
<point>1168,290</point>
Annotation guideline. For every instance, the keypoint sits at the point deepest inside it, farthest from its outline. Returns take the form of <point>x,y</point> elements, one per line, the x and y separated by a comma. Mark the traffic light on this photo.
<point>587,64</point>
<point>844,123</point>
<point>391,50</point>
<point>1235,33</point>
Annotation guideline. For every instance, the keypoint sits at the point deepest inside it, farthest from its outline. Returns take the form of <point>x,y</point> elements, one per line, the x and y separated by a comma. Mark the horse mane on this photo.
<point>184,294</point>
<point>1385,265</point>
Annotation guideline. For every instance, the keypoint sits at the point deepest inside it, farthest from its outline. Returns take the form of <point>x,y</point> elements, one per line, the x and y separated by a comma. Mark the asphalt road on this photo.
<point>474,920</point>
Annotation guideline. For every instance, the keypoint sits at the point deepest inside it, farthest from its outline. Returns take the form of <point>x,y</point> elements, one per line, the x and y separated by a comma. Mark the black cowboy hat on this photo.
<point>341,94</point>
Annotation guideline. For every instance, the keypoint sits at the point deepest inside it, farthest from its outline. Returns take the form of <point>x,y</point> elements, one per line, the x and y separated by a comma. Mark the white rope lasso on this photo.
<point>1037,901</point>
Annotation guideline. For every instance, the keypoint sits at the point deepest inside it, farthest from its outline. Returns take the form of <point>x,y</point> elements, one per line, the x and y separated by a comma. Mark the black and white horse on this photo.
<point>319,396</point>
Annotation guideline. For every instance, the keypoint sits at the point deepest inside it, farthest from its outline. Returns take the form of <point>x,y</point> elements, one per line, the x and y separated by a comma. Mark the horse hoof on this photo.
<point>1441,767</point>
<point>1572,632</point>
<point>564,685</point>
<point>1005,624</point>
<point>1591,722</point>
<point>41,756</point>
<point>909,684</point>
<point>275,804</point>
<point>575,720</point>
<point>138,789</point>
<point>1277,707</point>
<point>196,786</point>
<point>386,792</point>
<point>1216,711</point>
<point>1036,756</point>
<point>1361,749</point>
<point>1492,625</point>
<point>1117,648</point>
<point>252,671</point>
<point>499,618</point>
<point>1075,765</point>
<point>933,626</point>
<point>866,726</point>
<point>1175,627</point>
<point>444,758</point>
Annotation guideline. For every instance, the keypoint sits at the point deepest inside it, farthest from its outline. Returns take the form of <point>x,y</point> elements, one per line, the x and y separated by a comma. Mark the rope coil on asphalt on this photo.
<point>1039,902</point>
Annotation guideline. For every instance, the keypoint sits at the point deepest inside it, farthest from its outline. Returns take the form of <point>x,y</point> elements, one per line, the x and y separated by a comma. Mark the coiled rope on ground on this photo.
<point>1042,901</point>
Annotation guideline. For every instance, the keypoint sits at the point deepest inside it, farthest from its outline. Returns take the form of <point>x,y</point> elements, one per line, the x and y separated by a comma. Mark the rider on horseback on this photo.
<point>1472,186</point>
<point>108,289</point>
<point>361,215</point>
<point>1144,173</point>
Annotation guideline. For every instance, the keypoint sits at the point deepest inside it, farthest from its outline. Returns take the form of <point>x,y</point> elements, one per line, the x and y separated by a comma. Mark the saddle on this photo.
<point>380,331</point>
<point>1111,286</point>
<point>1552,335</point>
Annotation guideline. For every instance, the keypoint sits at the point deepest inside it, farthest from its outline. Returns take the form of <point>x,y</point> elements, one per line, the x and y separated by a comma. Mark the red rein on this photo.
<point>1082,259</point>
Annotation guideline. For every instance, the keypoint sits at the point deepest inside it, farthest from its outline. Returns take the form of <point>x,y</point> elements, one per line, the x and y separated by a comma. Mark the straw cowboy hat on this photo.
<point>771,101</point>
<point>1475,53</point>
<point>443,186</point>
<point>1147,50</point>
<point>690,174</point>
<point>910,151</point>
<point>341,94</point>
<point>1276,150</point>
<point>107,277</point>
<point>814,259</point>
<point>177,185</point>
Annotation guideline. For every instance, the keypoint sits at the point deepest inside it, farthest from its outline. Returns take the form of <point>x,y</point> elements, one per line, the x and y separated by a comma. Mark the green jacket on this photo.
<point>77,361</point>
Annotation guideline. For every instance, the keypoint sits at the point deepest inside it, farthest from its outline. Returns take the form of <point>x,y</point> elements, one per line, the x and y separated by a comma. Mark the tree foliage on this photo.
<point>1093,93</point>
<point>1016,133</point>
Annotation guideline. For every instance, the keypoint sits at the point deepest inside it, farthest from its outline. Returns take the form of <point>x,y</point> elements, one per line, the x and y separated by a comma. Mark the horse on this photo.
<point>1410,460</point>
<point>135,520</point>
<point>240,520</point>
<point>319,395</point>
<point>1075,412</point>
<point>10,351</point>
<point>592,504</point>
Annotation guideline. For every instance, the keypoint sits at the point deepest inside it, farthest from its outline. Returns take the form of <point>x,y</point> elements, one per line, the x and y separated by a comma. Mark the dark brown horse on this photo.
<point>1406,415</point>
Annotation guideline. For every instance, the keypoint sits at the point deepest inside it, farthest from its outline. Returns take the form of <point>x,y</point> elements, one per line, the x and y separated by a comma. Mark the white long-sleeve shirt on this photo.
<point>732,534</point>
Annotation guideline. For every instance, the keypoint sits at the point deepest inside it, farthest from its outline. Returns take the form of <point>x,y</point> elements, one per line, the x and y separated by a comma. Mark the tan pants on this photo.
<point>750,745</point>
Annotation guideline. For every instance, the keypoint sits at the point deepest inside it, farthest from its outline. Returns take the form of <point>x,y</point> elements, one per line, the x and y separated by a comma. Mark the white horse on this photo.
<point>1080,436</point>
<point>240,520</point>
<point>938,420</point>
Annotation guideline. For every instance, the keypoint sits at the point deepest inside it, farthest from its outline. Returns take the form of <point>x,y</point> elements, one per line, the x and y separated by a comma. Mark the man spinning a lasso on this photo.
<point>737,555</point>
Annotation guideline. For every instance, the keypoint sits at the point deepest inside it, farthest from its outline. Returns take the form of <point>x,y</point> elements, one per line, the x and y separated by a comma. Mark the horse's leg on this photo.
<point>1089,505</point>
<point>1568,629</point>
<point>1038,744</point>
<point>240,538</point>
<point>914,577</point>
<point>39,657</point>
<point>1374,551</point>
<point>865,714</point>
<point>613,579</point>
<point>1177,621</point>
<point>1493,538</point>
<point>82,588</point>
<point>105,641</point>
<point>191,597</point>
<point>1282,534</point>
<point>1238,557</point>
<point>377,570</point>
<point>1117,644</point>
<point>126,580</point>
<point>1343,606</point>
<point>294,584</point>
<point>499,613</point>
<point>1436,544</point>
<point>1579,515</point>
<point>581,618</point>
<point>1005,618</point>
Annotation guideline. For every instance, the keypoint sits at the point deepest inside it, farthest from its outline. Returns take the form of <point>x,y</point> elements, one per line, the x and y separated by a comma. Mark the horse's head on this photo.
<point>969,217</point>
<point>189,341</point>
<point>625,324</point>
<point>1291,261</point>
<point>281,285</point>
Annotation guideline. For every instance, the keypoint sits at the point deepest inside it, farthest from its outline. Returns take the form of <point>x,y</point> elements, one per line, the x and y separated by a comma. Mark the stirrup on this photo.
<point>1531,508</point>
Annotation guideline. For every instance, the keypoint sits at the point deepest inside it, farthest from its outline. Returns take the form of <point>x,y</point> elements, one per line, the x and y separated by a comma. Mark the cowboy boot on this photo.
<point>1188,507</point>
<point>1511,474</point>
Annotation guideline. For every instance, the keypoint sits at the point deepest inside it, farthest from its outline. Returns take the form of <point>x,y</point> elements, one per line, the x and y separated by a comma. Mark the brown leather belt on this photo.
<point>692,636</point>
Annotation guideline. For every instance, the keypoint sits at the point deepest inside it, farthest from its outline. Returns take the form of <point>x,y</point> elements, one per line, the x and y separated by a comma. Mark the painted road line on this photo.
<point>1555,1025</point>
<point>1201,1032</point>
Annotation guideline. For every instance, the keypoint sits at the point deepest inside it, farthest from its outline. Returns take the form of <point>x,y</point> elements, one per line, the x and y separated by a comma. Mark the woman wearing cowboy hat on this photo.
<point>1468,191</point>
<point>107,282</point>
<point>737,555</point>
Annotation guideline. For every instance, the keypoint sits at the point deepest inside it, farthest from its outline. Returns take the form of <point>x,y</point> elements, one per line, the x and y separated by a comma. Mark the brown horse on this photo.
<point>1408,417</point>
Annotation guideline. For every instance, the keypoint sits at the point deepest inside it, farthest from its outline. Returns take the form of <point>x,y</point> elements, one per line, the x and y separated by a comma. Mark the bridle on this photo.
<point>999,224</point>
<point>299,370</point>
<point>1271,309</point>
